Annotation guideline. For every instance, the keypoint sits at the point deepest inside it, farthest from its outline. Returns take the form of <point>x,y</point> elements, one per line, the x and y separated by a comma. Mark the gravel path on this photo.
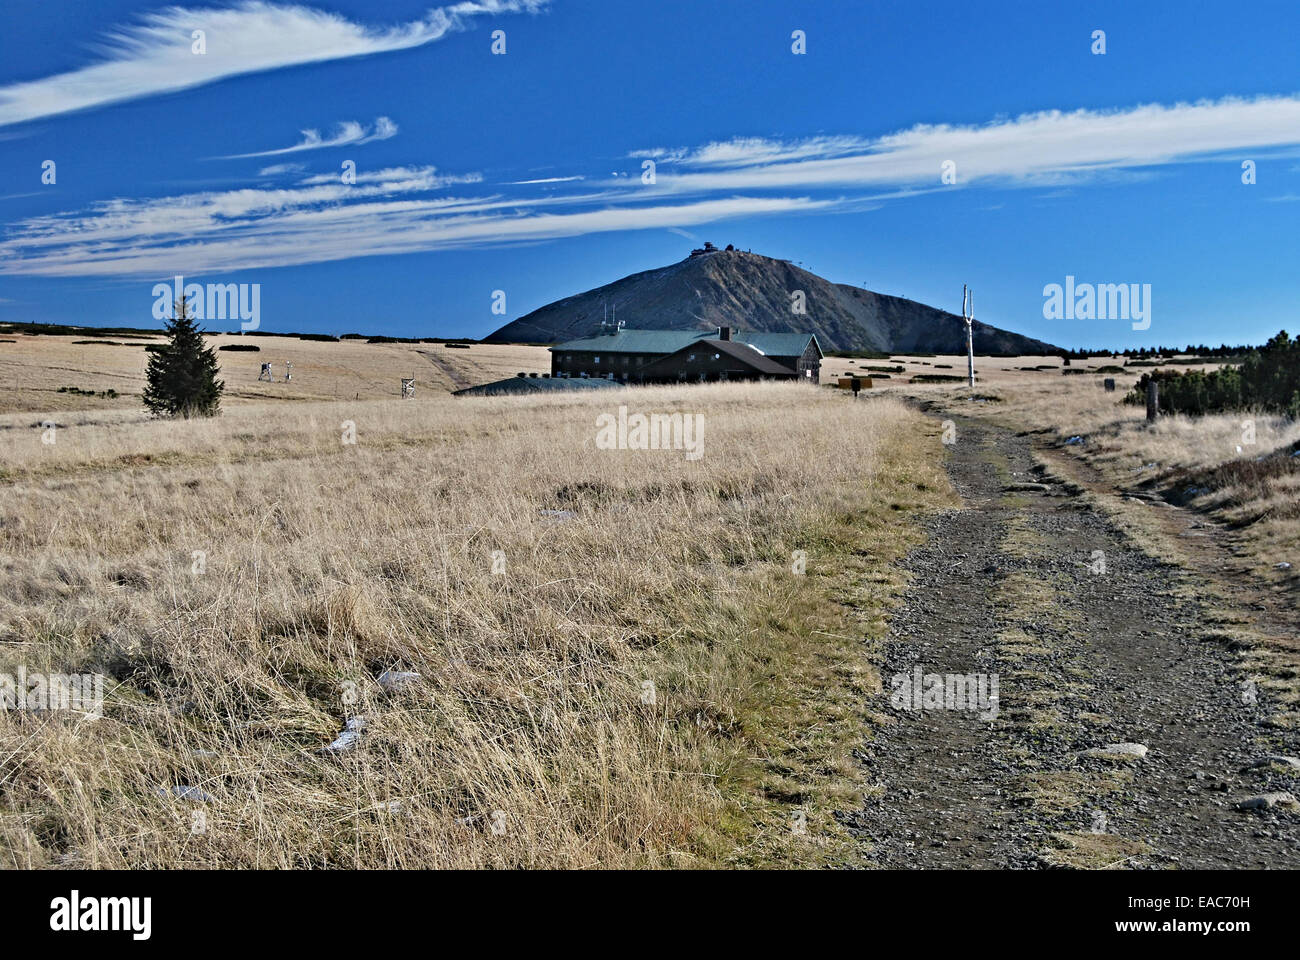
<point>1011,585</point>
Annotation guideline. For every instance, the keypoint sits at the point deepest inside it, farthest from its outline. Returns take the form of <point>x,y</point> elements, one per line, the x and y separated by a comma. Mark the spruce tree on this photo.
<point>181,380</point>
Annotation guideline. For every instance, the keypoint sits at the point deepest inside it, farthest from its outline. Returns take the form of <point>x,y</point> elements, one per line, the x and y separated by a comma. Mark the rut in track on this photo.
<point>1093,644</point>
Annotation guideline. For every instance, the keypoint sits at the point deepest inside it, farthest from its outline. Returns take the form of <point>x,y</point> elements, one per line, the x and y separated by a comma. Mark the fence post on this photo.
<point>1153,399</point>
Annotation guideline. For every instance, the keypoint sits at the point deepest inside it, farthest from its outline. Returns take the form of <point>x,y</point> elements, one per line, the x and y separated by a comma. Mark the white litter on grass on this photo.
<point>348,738</point>
<point>558,516</point>
<point>394,680</point>
<point>1136,750</point>
<point>1282,566</point>
<point>185,792</point>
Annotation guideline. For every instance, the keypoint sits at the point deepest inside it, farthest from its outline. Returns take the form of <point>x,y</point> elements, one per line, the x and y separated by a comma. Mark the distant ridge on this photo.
<point>747,291</point>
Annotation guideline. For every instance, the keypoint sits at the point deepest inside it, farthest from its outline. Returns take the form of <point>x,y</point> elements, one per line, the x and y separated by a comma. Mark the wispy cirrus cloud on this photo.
<point>349,133</point>
<point>321,219</point>
<point>526,183</point>
<point>278,169</point>
<point>156,55</point>
<point>1050,146</point>
<point>318,218</point>
<point>401,178</point>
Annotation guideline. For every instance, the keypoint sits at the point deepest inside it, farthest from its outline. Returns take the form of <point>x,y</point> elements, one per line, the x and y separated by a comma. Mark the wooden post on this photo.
<point>968,296</point>
<point>1153,399</point>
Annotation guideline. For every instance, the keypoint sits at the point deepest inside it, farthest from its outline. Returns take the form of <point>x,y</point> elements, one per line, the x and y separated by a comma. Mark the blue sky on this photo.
<point>1117,168</point>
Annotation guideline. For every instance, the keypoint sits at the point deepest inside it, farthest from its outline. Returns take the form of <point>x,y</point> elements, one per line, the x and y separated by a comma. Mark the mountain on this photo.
<point>747,291</point>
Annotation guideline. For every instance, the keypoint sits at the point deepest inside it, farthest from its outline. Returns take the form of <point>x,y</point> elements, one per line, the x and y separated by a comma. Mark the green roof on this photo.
<point>777,344</point>
<point>637,341</point>
<point>670,341</point>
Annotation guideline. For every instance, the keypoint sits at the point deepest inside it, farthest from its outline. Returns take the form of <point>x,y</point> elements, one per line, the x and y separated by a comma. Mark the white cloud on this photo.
<point>275,169</point>
<point>349,133</point>
<point>1051,146</point>
<point>748,151</point>
<point>414,178</point>
<point>320,219</point>
<point>394,210</point>
<point>524,183</point>
<point>156,55</point>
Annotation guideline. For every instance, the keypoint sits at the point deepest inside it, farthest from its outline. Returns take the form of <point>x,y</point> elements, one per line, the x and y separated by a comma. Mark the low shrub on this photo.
<point>1268,379</point>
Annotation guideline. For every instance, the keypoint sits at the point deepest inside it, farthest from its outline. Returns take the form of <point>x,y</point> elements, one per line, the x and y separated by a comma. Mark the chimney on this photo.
<point>724,333</point>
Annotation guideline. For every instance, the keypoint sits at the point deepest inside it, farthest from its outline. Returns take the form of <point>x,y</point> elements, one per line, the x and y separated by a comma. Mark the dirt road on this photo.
<point>1093,644</point>
<point>459,381</point>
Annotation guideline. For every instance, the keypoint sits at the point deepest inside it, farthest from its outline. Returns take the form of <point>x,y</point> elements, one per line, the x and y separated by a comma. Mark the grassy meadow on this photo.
<point>33,368</point>
<point>615,658</point>
<point>639,678</point>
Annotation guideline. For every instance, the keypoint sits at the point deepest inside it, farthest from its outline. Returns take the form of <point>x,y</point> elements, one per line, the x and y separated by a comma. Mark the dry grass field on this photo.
<point>616,662</point>
<point>33,368</point>
<point>989,371</point>
<point>643,681</point>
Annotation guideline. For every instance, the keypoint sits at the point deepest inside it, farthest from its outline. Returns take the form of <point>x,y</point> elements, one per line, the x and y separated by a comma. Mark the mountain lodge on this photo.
<point>674,356</point>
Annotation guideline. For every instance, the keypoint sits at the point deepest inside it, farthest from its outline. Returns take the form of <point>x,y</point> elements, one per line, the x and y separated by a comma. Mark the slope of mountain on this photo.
<point>748,291</point>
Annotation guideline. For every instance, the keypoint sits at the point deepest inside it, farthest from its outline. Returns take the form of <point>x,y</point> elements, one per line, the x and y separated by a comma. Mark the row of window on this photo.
<point>568,358</point>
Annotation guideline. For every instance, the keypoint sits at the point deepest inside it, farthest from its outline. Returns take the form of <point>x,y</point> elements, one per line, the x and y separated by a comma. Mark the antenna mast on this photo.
<point>968,314</point>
